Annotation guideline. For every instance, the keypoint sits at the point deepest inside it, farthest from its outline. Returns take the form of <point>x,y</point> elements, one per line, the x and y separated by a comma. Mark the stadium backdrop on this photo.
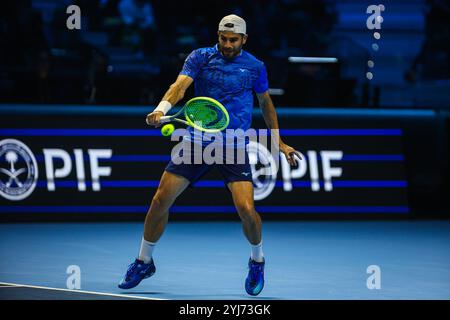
<point>105,162</point>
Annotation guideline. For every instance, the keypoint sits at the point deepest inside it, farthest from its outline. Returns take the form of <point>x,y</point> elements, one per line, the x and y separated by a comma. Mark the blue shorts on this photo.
<point>234,171</point>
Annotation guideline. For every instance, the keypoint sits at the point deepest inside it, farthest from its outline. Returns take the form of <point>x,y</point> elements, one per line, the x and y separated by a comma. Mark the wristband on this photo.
<point>164,106</point>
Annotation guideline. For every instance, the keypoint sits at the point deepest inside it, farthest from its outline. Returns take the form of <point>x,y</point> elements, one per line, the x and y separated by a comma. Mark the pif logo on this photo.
<point>18,170</point>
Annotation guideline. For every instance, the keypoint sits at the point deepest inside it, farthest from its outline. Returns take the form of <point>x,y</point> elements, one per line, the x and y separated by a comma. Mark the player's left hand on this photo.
<point>290,154</point>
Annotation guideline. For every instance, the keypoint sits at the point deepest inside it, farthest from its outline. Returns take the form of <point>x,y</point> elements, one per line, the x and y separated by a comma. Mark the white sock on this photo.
<point>145,254</point>
<point>257,253</point>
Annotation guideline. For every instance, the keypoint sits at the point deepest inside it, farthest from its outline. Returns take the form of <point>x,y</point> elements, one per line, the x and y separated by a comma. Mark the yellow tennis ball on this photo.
<point>167,129</point>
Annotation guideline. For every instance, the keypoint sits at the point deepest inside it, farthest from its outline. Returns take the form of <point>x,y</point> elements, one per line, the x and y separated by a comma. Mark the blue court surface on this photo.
<point>208,260</point>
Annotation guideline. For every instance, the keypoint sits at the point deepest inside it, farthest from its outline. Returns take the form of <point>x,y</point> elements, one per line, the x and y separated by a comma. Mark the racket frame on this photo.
<point>189,122</point>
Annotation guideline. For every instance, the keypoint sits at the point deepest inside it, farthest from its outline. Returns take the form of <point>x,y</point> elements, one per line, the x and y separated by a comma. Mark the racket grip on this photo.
<point>164,119</point>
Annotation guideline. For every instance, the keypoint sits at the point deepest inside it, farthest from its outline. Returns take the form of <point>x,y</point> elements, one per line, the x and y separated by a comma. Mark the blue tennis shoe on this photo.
<point>255,278</point>
<point>136,272</point>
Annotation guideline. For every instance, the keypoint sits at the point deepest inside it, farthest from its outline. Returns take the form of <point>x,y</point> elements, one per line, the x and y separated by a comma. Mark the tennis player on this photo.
<point>229,74</point>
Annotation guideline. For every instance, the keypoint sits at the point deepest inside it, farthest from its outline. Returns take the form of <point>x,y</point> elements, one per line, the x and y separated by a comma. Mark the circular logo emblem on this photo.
<point>264,169</point>
<point>18,170</point>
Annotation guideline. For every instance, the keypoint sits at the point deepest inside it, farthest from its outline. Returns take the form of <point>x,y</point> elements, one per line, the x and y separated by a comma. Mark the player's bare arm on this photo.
<point>173,96</point>
<point>271,119</point>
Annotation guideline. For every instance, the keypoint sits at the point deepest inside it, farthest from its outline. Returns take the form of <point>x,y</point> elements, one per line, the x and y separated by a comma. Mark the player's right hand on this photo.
<point>153,119</point>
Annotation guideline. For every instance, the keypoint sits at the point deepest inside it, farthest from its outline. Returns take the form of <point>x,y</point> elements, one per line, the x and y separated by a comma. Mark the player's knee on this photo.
<point>159,202</point>
<point>246,211</point>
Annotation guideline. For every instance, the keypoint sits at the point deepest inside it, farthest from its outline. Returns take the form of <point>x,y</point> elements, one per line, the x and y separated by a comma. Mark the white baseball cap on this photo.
<point>233,23</point>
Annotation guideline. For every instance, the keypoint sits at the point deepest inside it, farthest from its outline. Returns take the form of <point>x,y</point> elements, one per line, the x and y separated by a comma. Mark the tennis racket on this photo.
<point>203,113</point>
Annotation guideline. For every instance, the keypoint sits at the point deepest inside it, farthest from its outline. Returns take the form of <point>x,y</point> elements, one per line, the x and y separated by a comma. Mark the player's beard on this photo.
<point>230,53</point>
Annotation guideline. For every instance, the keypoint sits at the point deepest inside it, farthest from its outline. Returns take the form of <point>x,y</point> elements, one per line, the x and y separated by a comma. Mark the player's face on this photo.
<point>230,43</point>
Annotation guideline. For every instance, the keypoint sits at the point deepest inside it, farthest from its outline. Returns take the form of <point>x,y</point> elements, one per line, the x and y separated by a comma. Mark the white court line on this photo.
<point>76,291</point>
<point>9,286</point>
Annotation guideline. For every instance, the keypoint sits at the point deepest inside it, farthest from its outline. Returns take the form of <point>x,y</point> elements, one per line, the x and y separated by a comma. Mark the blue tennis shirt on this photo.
<point>229,81</point>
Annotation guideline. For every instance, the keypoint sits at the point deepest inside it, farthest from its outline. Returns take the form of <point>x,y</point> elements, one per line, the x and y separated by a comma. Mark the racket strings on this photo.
<point>206,114</point>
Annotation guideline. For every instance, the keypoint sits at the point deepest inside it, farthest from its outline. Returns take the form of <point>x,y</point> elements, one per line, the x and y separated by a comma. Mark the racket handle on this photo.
<point>164,119</point>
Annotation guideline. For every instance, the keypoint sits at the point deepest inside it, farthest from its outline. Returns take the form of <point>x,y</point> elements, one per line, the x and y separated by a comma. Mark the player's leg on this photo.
<point>237,173</point>
<point>170,187</point>
<point>242,192</point>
